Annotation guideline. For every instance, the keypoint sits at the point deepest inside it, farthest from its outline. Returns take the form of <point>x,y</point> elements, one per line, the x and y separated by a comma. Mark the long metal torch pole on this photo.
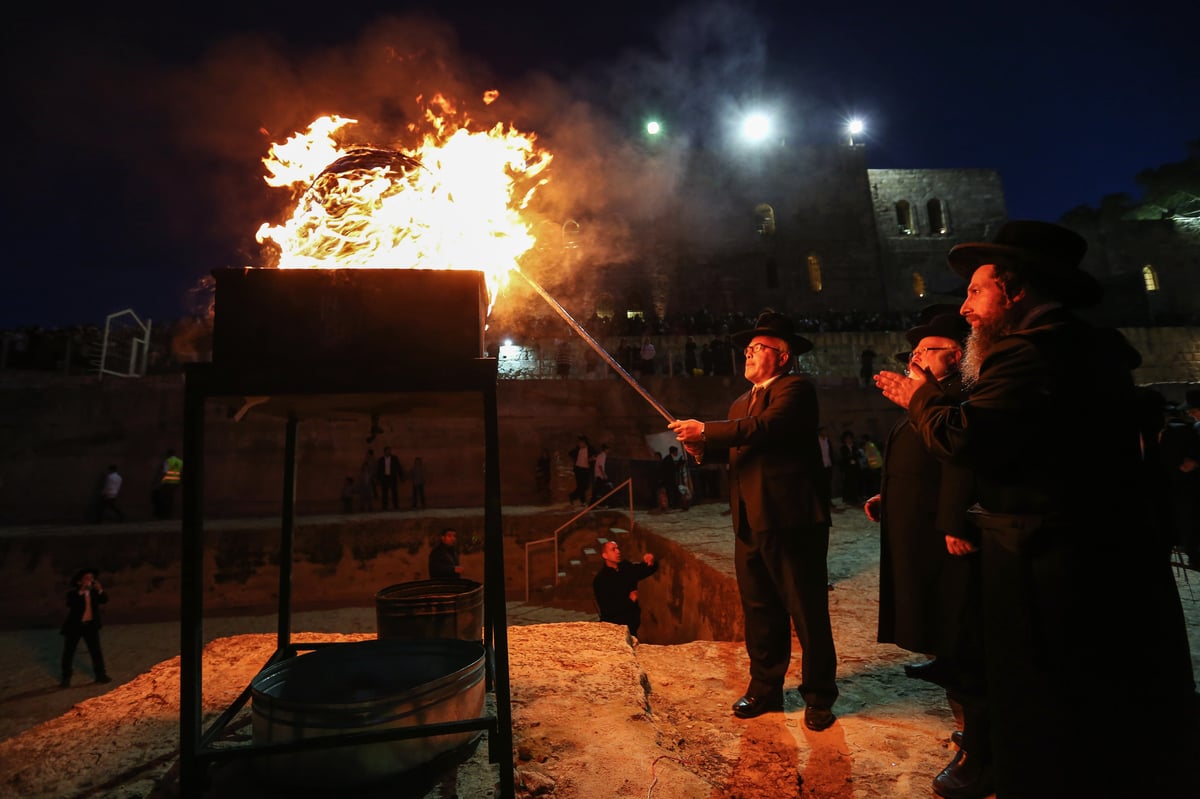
<point>603,353</point>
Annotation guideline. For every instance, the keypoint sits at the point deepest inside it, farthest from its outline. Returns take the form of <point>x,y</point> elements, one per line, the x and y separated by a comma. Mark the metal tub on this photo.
<point>430,609</point>
<point>367,686</point>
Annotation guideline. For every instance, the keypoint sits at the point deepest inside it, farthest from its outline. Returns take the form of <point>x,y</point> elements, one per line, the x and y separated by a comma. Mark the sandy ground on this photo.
<point>595,714</point>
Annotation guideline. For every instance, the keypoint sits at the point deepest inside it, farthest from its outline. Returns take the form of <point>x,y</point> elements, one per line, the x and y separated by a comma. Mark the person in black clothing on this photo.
<point>615,586</point>
<point>443,558</point>
<point>389,473</point>
<point>83,621</point>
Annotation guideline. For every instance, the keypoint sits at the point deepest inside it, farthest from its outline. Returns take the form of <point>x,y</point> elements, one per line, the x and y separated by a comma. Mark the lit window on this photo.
<point>938,224</point>
<point>764,220</point>
<point>918,284</point>
<point>604,306</point>
<point>1150,278</point>
<point>814,272</point>
<point>904,218</point>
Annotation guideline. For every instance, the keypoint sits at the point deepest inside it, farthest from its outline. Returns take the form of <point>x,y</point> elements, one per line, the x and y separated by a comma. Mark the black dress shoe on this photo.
<point>750,706</point>
<point>965,778</point>
<point>818,718</point>
<point>936,671</point>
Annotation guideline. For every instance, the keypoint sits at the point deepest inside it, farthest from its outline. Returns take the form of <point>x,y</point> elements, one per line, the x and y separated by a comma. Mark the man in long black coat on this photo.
<point>1084,632</point>
<point>929,562</point>
<point>781,514</point>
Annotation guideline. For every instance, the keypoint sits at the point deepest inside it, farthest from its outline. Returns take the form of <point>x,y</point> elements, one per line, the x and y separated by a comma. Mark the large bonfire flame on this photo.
<point>454,202</point>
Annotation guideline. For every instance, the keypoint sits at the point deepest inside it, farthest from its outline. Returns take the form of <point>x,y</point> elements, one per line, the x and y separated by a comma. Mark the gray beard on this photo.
<point>979,342</point>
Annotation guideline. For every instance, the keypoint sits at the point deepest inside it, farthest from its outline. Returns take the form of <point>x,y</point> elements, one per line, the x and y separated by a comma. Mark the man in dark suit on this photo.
<point>780,507</point>
<point>388,473</point>
<point>928,562</point>
<point>1083,629</point>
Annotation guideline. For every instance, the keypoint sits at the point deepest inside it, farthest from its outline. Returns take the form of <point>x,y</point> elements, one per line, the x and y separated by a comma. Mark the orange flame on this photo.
<point>454,202</point>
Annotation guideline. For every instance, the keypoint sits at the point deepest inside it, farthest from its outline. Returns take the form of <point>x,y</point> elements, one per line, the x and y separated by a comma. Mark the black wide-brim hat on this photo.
<point>1048,255</point>
<point>78,576</point>
<point>947,325</point>
<point>771,323</point>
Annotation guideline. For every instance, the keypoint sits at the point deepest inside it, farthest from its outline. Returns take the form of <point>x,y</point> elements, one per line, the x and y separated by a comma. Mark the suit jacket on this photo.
<point>397,470</point>
<point>775,467</point>
<point>922,587</point>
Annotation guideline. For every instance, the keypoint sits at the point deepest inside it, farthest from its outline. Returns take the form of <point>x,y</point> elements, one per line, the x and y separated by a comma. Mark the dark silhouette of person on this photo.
<point>615,586</point>
<point>84,599</point>
<point>443,558</point>
<point>781,518</point>
<point>388,474</point>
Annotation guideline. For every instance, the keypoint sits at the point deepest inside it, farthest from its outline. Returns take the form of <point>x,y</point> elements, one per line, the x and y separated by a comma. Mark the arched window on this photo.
<point>604,306</point>
<point>918,284</point>
<point>904,218</point>
<point>814,272</point>
<point>764,220</point>
<point>1150,278</point>
<point>939,222</point>
<point>634,307</point>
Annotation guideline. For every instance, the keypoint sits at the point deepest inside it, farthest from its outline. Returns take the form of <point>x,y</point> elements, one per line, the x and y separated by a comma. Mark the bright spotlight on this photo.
<point>756,127</point>
<point>653,128</point>
<point>854,127</point>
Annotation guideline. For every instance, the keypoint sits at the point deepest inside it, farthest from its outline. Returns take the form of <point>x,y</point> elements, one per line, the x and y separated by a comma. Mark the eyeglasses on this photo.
<point>921,350</point>
<point>756,348</point>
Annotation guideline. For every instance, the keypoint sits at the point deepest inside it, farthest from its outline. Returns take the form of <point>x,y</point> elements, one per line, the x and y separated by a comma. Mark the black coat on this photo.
<point>612,587</point>
<point>76,604</point>
<point>923,589</point>
<point>1078,598</point>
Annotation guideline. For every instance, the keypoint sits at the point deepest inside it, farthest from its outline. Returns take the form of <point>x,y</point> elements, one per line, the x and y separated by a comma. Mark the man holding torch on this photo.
<point>781,520</point>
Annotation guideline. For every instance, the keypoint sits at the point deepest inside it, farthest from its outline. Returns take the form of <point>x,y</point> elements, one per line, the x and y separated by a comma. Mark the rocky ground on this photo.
<point>595,713</point>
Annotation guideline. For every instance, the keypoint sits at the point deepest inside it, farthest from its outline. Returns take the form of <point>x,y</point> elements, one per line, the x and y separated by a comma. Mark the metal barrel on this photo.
<point>430,609</point>
<point>366,686</point>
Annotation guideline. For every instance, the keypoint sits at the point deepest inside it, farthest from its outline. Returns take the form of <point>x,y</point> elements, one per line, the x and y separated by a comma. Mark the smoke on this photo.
<point>177,140</point>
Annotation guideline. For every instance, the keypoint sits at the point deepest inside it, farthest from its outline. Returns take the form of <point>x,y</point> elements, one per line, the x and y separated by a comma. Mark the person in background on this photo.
<point>388,474</point>
<point>84,599</point>
<point>443,558</point>
<point>108,496</point>
<point>367,485</point>
<point>581,465</point>
<point>615,586</point>
<point>781,520</point>
<point>850,465</point>
<point>169,478</point>
<point>417,475</point>
<point>601,485</point>
<point>349,489</point>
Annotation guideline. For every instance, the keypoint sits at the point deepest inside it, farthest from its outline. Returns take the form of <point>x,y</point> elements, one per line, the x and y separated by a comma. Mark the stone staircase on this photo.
<point>579,561</point>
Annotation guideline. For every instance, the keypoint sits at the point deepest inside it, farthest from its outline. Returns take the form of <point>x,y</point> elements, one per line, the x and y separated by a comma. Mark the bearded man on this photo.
<point>1083,630</point>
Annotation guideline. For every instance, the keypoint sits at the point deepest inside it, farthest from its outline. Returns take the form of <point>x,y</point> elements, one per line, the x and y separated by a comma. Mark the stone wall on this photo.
<point>58,434</point>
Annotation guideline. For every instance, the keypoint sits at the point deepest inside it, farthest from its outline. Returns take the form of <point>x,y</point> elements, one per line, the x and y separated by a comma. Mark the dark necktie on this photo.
<point>755,396</point>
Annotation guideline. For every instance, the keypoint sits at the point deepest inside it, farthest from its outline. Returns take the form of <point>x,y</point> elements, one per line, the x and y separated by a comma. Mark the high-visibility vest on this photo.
<point>174,467</point>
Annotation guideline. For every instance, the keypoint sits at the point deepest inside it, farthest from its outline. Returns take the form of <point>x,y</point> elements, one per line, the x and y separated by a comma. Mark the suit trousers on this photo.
<point>90,634</point>
<point>783,580</point>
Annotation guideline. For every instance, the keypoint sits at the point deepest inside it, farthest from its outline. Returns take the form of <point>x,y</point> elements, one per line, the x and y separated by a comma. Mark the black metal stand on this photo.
<point>293,396</point>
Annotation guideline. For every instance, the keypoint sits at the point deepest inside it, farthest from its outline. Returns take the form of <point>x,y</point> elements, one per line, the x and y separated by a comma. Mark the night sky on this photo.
<point>135,136</point>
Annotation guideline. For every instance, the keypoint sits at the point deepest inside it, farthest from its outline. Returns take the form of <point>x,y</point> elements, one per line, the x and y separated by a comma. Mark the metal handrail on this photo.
<point>627,482</point>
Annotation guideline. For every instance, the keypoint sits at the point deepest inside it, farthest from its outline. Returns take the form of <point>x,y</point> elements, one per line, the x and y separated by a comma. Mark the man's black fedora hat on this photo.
<point>1046,254</point>
<point>772,323</point>
<point>947,325</point>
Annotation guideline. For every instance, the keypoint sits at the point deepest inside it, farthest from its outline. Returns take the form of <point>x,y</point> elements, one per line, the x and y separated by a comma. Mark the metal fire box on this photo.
<point>365,319</point>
